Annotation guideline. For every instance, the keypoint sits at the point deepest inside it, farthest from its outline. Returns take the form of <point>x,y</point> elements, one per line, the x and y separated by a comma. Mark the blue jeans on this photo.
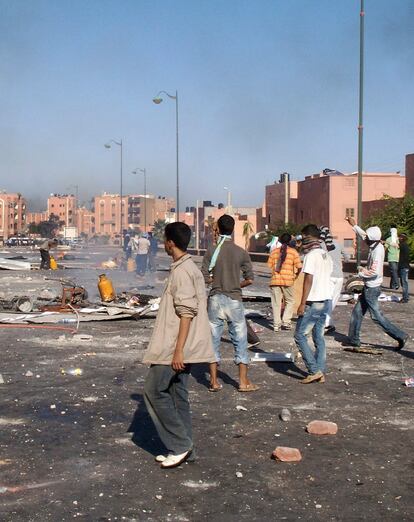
<point>141,262</point>
<point>369,301</point>
<point>222,308</point>
<point>313,320</point>
<point>394,283</point>
<point>403,273</point>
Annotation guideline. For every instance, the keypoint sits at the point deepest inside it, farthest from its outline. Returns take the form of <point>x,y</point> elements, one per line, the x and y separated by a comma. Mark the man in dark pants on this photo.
<point>44,250</point>
<point>181,337</point>
<point>372,275</point>
<point>404,267</point>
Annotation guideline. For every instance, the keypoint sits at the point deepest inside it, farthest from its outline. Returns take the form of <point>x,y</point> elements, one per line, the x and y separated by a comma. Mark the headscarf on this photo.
<point>309,244</point>
<point>216,252</point>
<point>327,238</point>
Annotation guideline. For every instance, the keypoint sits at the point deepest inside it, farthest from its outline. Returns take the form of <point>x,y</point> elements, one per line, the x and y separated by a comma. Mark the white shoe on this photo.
<point>160,458</point>
<point>172,461</point>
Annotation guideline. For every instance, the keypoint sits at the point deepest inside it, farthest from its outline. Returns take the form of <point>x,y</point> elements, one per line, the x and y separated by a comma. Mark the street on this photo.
<point>83,446</point>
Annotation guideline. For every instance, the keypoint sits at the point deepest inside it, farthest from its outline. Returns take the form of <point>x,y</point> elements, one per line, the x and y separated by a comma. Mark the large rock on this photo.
<point>286,454</point>
<point>318,427</point>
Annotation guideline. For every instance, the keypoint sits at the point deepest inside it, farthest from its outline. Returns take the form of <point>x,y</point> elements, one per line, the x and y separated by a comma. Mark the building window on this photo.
<point>350,212</point>
<point>348,243</point>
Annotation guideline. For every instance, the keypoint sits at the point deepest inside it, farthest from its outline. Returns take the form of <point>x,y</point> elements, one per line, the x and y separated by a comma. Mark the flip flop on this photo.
<point>248,388</point>
<point>215,389</point>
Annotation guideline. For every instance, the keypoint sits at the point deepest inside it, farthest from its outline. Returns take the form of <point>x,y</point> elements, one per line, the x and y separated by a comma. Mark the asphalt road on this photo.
<point>82,446</point>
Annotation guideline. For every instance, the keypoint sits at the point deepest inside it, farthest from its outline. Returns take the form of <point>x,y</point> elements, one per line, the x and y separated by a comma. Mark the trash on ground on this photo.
<point>273,357</point>
<point>71,371</point>
<point>241,408</point>
<point>286,454</point>
<point>239,474</point>
<point>285,415</point>
<point>359,349</point>
<point>318,427</point>
<point>1,379</point>
<point>409,382</point>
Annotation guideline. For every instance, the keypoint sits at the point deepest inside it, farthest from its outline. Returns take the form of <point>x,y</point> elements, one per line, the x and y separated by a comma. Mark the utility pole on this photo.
<point>360,123</point>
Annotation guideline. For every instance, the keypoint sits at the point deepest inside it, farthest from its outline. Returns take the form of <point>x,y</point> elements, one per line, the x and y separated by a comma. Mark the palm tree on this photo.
<point>247,232</point>
<point>158,229</point>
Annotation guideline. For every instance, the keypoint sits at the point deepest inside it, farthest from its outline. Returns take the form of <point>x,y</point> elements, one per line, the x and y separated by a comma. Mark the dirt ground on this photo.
<point>82,446</point>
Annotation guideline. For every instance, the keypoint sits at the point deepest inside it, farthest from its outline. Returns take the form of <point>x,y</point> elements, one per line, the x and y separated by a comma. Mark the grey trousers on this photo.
<point>166,398</point>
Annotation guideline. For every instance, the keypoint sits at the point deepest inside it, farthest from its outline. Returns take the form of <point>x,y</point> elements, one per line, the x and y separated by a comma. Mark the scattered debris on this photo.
<point>239,474</point>
<point>82,337</point>
<point>71,371</point>
<point>199,485</point>
<point>409,382</point>
<point>285,415</point>
<point>22,304</point>
<point>288,357</point>
<point>28,374</point>
<point>1,379</point>
<point>317,427</point>
<point>241,408</point>
<point>285,454</point>
<point>359,349</point>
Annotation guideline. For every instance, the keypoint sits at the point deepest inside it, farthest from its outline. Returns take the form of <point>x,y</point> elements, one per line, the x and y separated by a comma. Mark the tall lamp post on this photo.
<point>157,100</point>
<point>108,146</point>
<point>144,171</point>
<point>360,123</point>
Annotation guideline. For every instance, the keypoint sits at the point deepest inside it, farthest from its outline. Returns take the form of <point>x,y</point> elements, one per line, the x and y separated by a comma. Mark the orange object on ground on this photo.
<point>106,290</point>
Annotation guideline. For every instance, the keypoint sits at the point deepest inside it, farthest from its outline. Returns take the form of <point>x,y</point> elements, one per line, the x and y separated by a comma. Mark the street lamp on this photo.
<point>360,123</point>
<point>157,100</point>
<point>229,210</point>
<point>144,171</point>
<point>108,146</point>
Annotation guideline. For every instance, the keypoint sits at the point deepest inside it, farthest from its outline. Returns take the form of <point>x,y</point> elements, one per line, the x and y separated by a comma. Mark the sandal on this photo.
<point>249,388</point>
<point>214,389</point>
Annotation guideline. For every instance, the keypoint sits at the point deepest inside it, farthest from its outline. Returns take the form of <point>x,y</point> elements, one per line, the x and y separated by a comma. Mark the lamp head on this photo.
<point>157,100</point>
<point>107,145</point>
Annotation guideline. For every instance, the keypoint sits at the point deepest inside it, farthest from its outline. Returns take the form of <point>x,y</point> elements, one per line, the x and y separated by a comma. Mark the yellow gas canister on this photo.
<point>106,289</point>
<point>53,264</point>
<point>131,265</point>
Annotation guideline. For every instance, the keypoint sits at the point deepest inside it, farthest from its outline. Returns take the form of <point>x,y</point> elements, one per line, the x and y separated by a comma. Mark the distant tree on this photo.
<point>47,228</point>
<point>158,229</point>
<point>399,212</point>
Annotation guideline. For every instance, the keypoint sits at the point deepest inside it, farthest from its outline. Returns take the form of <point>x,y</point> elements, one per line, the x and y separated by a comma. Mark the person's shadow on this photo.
<point>200,371</point>
<point>144,434</point>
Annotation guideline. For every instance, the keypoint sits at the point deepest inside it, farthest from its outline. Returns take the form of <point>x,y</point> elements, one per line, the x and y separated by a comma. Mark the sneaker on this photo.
<point>173,461</point>
<point>401,343</point>
<point>313,377</point>
<point>276,328</point>
<point>329,330</point>
<point>160,458</point>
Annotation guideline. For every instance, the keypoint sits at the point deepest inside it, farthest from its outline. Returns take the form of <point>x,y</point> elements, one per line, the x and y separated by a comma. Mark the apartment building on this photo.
<point>12,214</point>
<point>64,207</point>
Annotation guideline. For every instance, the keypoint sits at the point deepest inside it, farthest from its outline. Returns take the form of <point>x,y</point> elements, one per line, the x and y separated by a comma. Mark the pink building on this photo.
<point>12,215</point>
<point>36,217</point>
<point>85,220</point>
<point>107,215</point>
<point>64,207</point>
<point>327,198</point>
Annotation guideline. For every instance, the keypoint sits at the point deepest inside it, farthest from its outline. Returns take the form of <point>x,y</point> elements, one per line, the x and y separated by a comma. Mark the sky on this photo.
<point>264,86</point>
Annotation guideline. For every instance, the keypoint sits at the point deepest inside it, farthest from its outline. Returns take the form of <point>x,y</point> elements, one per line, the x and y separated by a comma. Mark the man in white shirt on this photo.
<point>372,276</point>
<point>317,291</point>
<point>140,245</point>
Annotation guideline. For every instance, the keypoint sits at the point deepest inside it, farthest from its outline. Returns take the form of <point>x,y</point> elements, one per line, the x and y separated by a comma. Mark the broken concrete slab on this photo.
<point>318,427</point>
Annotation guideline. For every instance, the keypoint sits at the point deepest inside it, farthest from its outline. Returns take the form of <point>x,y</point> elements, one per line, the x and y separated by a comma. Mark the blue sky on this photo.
<point>265,86</point>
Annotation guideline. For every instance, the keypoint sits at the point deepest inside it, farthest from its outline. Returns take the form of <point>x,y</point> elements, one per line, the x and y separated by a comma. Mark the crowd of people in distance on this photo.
<point>144,247</point>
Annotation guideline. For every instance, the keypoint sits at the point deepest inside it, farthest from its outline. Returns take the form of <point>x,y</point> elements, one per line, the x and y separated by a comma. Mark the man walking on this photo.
<point>285,264</point>
<point>317,291</point>
<point>222,265</point>
<point>368,301</point>
<point>404,266</point>
<point>181,336</point>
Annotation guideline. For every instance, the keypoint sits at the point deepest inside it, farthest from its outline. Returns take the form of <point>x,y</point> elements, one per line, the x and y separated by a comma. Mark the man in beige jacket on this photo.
<point>181,336</point>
